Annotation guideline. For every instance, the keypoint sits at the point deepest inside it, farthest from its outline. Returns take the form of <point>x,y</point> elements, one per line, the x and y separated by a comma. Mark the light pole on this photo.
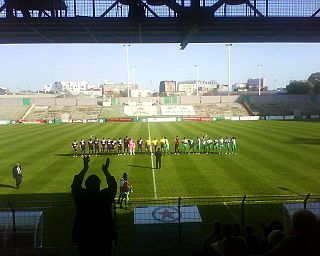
<point>127,53</point>
<point>229,65</point>
<point>197,82</point>
<point>259,89</point>
<point>133,74</point>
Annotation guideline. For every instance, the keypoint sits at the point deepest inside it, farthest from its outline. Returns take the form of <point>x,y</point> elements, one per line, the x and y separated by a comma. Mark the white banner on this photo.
<point>274,117</point>
<point>178,110</point>
<point>288,117</point>
<point>4,122</point>
<point>166,214</point>
<point>140,110</point>
<point>314,116</point>
<point>249,118</point>
<point>161,119</point>
<point>235,118</point>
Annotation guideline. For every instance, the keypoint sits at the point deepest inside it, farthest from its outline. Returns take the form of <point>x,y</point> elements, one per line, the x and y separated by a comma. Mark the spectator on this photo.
<point>93,226</point>
<point>252,240</point>
<point>212,238</point>
<point>230,245</point>
<point>302,240</point>
<point>275,237</point>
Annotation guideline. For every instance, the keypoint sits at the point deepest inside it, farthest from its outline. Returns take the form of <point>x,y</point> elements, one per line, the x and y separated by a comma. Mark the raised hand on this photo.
<point>86,160</point>
<point>106,165</point>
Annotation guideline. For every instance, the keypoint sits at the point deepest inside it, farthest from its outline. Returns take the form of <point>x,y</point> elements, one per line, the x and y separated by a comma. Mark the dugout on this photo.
<point>21,229</point>
<point>290,208</point>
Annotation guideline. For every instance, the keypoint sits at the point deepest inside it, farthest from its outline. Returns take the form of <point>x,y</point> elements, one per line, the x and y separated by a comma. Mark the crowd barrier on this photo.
<point>49,223</point>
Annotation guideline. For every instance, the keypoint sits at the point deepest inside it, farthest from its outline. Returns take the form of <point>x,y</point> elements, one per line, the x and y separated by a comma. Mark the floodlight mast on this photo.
<point>229,67</point>
<point>127,63</point>
<point>259,85</point>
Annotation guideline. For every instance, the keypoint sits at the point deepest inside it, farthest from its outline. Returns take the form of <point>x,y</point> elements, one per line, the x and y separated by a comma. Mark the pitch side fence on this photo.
<point>49,223</point>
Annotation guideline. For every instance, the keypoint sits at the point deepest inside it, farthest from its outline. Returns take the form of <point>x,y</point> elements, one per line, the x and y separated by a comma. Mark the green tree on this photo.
<point>314,78</point>
<point>316,87</point>
<point>163,94</point>
<point>300,87</point>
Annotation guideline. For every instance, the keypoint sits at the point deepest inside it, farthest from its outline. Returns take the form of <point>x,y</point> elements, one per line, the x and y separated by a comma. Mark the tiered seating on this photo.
<point>12,112</point>
<point>269,109</point>
<point>220,109</point>
<point>112,111</point>
<point>86,112</point>
<point>38,113</point>
<point>57,111</point>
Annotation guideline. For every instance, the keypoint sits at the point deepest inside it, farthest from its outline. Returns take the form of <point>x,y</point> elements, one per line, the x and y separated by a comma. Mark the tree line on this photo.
<point>312,85</point>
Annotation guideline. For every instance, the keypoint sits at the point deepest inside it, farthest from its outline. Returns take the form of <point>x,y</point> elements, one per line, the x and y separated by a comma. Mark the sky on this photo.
<point>30,66</point>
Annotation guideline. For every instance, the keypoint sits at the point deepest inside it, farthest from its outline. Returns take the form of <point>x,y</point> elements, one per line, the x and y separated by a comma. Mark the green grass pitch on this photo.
<point>273,158</point>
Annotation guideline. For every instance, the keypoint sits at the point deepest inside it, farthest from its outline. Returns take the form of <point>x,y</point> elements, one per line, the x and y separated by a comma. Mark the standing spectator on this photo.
<point>230,245</point>
<point>93,227</point>
<point>17,174</point>
<point>303,240</point>
<point>158,156</point>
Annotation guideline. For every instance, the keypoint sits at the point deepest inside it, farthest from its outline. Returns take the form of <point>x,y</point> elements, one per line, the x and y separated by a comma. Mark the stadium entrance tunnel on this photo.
<point>21,229</point>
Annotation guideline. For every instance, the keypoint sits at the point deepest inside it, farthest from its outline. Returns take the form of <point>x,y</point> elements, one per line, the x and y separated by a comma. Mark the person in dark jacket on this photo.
<point>158,156</point>
<point>94,227</point>
<point>17,174</point>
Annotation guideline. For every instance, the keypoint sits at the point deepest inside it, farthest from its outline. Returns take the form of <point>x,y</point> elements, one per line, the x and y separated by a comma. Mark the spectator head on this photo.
<point>275,237</point>
<point>248,230</point>
<point>227,230</point>
<point>275,225</point>
<point>93,183</point>
<point>304,223</point>
<point>236,229</point>
<point>217,226</point>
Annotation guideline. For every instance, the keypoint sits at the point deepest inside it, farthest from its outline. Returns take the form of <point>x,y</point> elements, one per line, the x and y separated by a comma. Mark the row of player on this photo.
<point>128,146</point>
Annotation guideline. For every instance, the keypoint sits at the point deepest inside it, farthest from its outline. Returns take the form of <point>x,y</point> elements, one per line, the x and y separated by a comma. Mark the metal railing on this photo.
<point>49,223</point>
<point>161,8</point>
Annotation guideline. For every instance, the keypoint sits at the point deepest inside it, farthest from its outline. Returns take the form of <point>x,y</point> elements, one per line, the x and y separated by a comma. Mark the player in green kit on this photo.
<point>191,146</point>
<point>198,146</point>
<point>184,144</point>
<point>209,145</point>
<point>233,145</point>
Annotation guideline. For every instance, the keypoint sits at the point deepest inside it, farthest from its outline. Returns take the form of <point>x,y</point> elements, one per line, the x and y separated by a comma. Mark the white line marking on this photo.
<point>152,165</point>
<point>231,212</point>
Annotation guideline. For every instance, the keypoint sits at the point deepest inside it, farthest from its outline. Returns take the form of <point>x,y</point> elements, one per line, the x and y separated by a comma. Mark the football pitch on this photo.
<point>273,158</point>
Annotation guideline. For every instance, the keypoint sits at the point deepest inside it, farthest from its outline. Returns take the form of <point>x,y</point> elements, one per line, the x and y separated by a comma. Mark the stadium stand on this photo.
<point>38,113</point>
<point>178,110</point>
<point>140,111</point>
<point>220,109</point>
<point>86,112</point>
<point>112,111</point>
<point>56,112</point>
<point>288,108</point>
<point>12,112</point>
